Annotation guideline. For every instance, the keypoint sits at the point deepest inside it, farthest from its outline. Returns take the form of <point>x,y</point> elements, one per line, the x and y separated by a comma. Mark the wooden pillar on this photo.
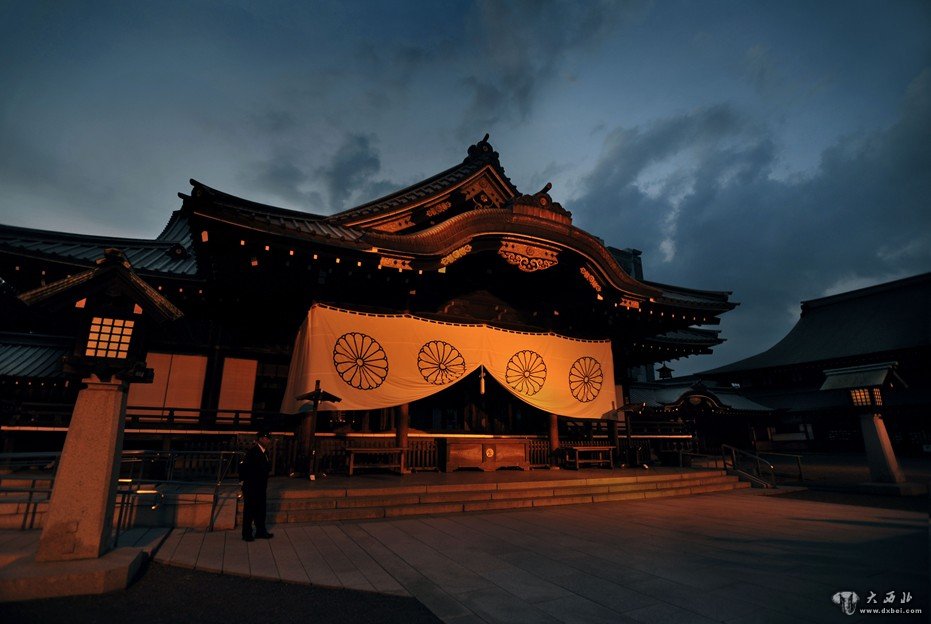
<point>80,512</point>
<point>403,420</point>
<point>554,439</point>
<point>612,439</point>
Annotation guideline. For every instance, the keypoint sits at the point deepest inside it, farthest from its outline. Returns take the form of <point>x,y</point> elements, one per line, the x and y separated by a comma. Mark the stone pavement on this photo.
<point>737,557</point>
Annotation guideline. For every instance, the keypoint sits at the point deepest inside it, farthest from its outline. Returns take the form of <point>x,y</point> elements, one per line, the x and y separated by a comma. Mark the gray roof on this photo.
<point>164,255</point>
<point>210,202</point>
<point>32,356</point>
<point>880,319</point>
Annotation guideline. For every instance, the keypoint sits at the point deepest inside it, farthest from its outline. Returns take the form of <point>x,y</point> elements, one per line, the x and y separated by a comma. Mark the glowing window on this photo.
<point>860,396</point>
<point>109,338</point>
<point>877,397</point>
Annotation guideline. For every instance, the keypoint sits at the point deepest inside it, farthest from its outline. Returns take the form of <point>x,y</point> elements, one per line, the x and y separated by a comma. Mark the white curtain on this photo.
<point>373,361</point>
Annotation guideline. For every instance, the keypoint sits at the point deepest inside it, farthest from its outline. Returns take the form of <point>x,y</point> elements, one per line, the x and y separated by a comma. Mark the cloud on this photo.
<point>285,175</point>
<point>352,170</point>
<point>521,47</point>
<point>697,190</point>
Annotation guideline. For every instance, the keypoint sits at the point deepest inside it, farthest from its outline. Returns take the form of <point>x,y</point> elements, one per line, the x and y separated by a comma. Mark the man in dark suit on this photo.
<point>253,476</point>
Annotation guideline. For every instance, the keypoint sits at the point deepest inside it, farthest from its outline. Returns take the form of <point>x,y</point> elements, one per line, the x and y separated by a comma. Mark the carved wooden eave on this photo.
<point>497,229</point>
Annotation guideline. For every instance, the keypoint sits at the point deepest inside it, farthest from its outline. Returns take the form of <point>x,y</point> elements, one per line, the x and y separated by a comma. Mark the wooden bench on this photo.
<point>590,455</point>
<point>394,454</point>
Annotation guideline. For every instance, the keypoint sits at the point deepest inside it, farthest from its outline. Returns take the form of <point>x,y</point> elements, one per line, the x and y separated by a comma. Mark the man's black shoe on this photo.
<point>265,536</point>
<point>248,539</point>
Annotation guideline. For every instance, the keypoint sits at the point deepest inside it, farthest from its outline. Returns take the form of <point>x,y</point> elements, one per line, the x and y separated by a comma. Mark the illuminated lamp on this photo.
<point>108,355</point>
<point>864,385</point>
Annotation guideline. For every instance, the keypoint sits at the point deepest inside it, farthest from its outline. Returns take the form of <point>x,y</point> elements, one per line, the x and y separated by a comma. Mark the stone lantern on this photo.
<point>109,307</point>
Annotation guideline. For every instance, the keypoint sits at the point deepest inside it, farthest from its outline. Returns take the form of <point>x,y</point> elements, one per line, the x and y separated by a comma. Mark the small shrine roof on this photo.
<point>678,295</point>
<point>663,394</point>
<point>690,336</point>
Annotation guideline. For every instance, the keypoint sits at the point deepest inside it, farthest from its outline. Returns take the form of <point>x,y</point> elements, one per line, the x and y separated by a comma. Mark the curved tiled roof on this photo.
<point>883,318</point>
<point>214,204</point>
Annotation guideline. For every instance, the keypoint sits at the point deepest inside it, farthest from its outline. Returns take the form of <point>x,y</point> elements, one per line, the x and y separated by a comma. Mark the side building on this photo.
<point>866,351</point>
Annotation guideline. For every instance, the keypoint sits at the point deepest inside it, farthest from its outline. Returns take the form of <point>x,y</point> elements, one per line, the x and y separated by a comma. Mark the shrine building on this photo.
<point>457,308</point>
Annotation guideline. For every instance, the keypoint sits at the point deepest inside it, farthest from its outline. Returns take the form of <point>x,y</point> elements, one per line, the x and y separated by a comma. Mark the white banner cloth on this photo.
<point>373,361</point>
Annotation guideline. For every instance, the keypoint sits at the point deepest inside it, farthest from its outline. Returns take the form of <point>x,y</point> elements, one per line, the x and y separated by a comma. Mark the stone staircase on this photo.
<point>363,503</point>
<point>355,500</point>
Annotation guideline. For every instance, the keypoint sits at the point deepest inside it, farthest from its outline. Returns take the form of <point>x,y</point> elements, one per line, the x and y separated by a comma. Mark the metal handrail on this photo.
<point>797,458</point>
<point>684,453</point>
<point>756,476</point>
<point>131,485</point>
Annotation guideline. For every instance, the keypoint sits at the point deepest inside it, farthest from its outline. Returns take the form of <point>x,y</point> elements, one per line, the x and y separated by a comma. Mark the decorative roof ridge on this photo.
<point>200,190</point>
<point>479,155</point>
<point>866,291</point>
<point>541,205</point>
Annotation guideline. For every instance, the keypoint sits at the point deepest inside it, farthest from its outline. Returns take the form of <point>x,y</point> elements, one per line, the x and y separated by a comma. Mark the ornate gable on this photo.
<point>478,182</point>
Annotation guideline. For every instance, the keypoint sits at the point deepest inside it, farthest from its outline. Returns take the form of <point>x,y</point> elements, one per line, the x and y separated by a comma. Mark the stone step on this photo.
<point>405,503</point>
<point>402,497</point>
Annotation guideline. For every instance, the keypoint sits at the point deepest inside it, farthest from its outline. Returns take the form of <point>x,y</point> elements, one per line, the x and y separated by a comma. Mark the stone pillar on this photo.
<point>80,514</point>
<point>884,467</point>
<point>554,439</point>
<point>402,420</point>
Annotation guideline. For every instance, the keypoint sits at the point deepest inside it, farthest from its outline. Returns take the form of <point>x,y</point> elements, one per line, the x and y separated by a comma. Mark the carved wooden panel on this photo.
<point>526,257</point>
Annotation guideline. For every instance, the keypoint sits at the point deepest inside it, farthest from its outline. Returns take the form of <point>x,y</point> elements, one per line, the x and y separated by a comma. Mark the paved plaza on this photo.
<point>738,557</point>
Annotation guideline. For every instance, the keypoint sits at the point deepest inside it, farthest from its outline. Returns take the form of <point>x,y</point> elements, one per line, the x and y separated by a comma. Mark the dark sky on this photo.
<point>776,149</point>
